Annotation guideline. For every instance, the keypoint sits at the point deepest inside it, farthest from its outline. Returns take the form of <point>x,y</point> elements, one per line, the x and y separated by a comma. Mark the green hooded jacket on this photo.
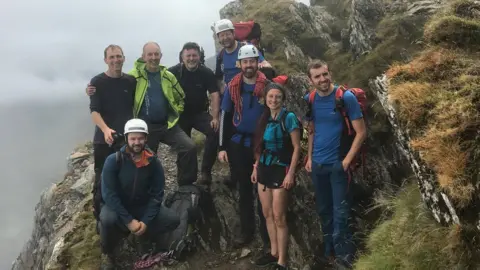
<point>171,88</point>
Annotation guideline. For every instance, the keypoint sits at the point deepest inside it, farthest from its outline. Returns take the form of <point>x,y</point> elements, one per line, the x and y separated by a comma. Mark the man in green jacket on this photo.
<point>159,101</point>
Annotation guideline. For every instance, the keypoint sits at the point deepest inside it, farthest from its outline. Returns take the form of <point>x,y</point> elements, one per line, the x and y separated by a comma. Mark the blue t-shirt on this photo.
<point>252,109</point>
<point>273,136</point>
<point>155,105</point>
<point>329,125</point>
<point>231,66</point>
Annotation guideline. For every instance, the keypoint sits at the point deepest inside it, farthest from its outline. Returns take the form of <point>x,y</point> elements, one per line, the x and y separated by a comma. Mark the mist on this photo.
<point>50,50</point>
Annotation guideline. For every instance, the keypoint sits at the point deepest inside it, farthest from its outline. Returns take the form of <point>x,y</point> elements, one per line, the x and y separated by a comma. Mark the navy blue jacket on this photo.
<point>133,193</point>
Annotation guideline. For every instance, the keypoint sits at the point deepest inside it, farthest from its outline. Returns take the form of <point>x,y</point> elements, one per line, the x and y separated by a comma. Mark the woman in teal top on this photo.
<point>277,151</point>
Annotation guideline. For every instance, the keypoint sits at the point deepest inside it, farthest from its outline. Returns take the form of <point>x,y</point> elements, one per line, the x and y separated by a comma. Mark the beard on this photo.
<point>136,148</point>
<point>249,73</point>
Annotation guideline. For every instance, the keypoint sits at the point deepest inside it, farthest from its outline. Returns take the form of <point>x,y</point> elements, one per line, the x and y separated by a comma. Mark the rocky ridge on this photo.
<point>301,33</point>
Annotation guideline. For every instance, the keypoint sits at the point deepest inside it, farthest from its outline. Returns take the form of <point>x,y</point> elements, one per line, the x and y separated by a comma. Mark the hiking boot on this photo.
<point>266,259</point>
<point>340,264</point>
<point>107,262</point>
<point>205,179</point>
<point>279,267</point>
<point>326,261</point>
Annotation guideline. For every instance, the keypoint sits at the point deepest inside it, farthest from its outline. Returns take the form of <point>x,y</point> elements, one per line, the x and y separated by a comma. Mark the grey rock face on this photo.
<point>437,201</point>
<point>363,20</point>
<point>55,214</point>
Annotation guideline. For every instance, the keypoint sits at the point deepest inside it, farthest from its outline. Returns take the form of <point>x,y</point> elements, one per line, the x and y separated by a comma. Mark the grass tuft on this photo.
<point>437,95</point>
<point>412,239</point>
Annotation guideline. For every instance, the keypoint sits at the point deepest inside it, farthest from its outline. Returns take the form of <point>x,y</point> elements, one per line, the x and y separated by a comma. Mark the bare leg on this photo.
<point>266,199</point>
<point>280,200</point>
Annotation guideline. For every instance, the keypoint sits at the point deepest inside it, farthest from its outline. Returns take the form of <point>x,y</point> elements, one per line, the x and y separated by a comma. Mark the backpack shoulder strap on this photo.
<point>311,97</point>
<point>220,55</point>
<point>119,159</point>
<point>283,120</point>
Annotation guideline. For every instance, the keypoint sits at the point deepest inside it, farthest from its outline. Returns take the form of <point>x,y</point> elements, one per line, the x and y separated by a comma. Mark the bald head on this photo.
<point>151,55</point>
<point>151,45</point>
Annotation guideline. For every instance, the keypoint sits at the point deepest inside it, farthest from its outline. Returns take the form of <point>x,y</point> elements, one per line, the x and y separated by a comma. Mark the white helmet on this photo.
<point>247,51</point>
<point>223,25</point>
<point>135,125</point>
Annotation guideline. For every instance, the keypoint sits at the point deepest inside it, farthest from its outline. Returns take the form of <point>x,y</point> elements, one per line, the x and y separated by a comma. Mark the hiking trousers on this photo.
<point>242,160</point>
<point>112,230</point>
<point>175,137</point>
<point>201,122</point>
<point>333,206</point>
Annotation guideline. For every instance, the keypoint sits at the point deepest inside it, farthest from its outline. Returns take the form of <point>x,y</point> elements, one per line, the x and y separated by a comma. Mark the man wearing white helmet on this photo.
<point>227,62</point>
<point>242,106</point>
<point>132,189</point>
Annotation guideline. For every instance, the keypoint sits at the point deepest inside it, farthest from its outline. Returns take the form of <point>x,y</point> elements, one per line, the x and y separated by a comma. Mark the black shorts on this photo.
<point>271,176</point>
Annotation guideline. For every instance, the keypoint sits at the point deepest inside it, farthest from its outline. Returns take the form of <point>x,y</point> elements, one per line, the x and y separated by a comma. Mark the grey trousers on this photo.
<point>112,229</point>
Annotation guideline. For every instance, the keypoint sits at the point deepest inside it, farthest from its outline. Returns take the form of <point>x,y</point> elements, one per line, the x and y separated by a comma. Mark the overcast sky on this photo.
<point>52,47</point>
<point>49,51</point>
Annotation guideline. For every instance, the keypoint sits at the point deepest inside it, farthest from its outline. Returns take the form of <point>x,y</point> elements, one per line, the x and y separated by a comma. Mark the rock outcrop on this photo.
<point>56,213</point>
<point>293,33</point>
<point>450,194</point>
<point>363,20</point>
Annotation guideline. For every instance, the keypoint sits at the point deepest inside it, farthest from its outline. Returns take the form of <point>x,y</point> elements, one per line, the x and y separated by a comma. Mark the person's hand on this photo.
<point>143,228</point>
<point>346,164</point>
<point>264,64</point>
<point>222,156</point>
<point>253,177</point>
<point>288,181</point>
<point>134,226</point>
<point>90,90</point>
<point>308,165</point>
<point>214,124</point>
<point>107,134</point>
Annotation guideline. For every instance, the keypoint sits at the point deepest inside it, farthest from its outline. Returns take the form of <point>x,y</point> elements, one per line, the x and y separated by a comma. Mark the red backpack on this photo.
<point>348,132</point>
<point>248,31</point>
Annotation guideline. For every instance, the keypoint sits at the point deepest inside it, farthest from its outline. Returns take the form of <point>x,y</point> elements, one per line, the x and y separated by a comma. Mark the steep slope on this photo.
<point>361,39</point>
<point>433,101</point>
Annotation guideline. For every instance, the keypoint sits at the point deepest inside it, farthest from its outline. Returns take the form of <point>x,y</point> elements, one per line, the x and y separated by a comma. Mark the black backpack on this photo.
<point>185,202</point>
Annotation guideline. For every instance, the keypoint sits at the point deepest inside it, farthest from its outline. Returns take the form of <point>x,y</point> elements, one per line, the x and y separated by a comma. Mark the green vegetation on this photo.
<point>437,95</point>
<point>82,243</point>
<point>412,239</point>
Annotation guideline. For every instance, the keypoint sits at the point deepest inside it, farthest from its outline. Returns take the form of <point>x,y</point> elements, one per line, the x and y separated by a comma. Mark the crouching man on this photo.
<point>132,189</point>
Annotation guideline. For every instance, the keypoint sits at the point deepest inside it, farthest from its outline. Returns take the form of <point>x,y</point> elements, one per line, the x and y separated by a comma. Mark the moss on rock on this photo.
<point>437,95</point>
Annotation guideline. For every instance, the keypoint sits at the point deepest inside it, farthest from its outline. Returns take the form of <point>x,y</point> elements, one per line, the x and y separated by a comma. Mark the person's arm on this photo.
<point>293,127</point>
<point>109,189</point>
<point>178,93</point>
<point>96,107</point>
<point>213,90</point>
<point>226,124</point>
<point>263,62</point>
<point>219,73</point>
<point>156,193</point>
<point>310,143</point>
<point>355,114</point>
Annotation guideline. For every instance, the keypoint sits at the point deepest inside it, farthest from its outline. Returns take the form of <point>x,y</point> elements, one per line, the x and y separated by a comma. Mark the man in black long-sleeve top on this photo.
<point>111,106</point>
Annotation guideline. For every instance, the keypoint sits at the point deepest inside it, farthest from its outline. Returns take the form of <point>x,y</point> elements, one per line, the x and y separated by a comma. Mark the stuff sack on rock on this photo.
<point>249,31</point>
<point>185,202</point>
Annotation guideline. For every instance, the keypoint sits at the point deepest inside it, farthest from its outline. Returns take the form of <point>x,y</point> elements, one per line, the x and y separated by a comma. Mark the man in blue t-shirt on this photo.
<point>242,106</point>
<point>329,161</point>
<point>228,64</point>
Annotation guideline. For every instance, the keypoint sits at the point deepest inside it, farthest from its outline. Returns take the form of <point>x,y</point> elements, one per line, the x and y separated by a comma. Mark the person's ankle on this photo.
<point>274,254</point>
